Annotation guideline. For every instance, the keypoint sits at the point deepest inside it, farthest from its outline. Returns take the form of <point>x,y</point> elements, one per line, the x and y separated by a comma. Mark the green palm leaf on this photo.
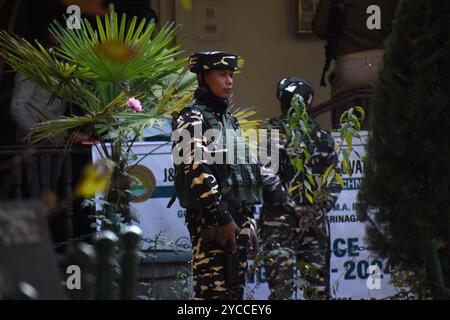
<point>124,55</point>
<point>45,67</point>
<point>48,129</point>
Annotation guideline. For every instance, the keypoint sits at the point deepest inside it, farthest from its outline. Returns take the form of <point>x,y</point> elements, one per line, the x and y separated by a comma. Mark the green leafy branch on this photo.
<point>299,127</point>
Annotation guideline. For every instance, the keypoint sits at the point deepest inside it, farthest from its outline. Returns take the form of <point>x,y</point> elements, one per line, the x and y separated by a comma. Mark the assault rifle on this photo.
<point>334,28</point>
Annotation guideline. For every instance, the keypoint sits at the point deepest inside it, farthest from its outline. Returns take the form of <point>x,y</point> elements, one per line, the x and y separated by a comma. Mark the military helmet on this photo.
<point>287,87</point>
<point>204,61</point>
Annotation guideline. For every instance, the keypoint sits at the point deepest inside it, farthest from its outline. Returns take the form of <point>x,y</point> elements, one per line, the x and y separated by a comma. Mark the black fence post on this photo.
<point>131,237</point>
<point>82,256</point>
<point>105,246</point>
<point>67,181</point>
<point>18,170</point>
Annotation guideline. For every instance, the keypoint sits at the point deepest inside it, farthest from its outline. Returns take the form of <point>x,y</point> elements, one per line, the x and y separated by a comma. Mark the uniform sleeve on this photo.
<point>320,20</point>
<point>274,191</point>
<point>204,186</point>
<point>326,149</point>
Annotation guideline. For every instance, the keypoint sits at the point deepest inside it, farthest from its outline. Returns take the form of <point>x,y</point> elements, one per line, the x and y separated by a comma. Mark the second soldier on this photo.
<point>294,231</point>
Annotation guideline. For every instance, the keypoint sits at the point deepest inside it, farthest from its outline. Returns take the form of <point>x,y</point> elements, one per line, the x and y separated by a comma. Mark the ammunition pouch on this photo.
<point>241,183</point>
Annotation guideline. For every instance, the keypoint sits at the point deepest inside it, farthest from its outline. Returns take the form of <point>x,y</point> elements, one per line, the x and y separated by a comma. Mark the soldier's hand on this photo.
<point>300,212</point>
<point>228,233</point>
<point>254,245</point>
<point>305,223</point>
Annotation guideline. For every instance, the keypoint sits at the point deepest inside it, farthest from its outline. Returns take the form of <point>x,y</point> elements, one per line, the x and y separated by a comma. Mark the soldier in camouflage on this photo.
<point>294,232</point>
<point>218,197</point>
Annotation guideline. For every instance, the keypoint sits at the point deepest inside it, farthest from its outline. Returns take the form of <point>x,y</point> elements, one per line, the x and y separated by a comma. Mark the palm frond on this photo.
<point>241,64</point>
<point>51,128</point>
<point>114,54</point>
<point>57,76</point>
<point>173,94</point>
<point>243,114</point>
<point>99,66</point>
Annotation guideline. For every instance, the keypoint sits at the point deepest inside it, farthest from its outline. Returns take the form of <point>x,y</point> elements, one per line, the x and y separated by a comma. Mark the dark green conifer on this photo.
<point>408,169</point>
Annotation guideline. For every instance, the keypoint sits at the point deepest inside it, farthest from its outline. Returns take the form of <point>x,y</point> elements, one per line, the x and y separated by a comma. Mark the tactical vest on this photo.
<point>239,183</point>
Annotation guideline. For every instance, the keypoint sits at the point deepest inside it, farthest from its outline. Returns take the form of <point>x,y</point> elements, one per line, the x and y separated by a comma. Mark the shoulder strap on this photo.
<point>334,28</point>
<point>232,119</point>
<point>211,121</point>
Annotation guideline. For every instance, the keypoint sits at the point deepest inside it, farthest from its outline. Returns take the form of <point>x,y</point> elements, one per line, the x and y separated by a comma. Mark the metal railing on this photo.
<point>337,105</point>
<point>107,272</point>
<point>14,185</point>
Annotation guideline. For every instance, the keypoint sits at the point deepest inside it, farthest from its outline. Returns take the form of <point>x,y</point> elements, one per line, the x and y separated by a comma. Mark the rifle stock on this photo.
<point>231,265</point>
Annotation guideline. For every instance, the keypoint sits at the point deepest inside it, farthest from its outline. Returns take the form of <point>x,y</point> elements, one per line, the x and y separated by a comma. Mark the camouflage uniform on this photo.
<point>207,191</point>
<point>290,236</point>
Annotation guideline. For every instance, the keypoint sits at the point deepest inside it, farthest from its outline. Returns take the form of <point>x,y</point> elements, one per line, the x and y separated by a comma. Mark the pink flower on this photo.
<point>135,105</point>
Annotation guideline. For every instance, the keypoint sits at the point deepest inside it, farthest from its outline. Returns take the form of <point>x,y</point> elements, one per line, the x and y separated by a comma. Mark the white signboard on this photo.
<point>355,272</point>
<point>151,196</point>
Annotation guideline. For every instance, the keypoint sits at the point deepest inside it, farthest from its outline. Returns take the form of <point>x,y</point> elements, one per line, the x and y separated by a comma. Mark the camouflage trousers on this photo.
<point>294,254</point>
<point>215,277</point>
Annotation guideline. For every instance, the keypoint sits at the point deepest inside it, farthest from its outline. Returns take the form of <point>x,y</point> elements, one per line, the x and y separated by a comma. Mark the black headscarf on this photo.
<point>204,95</point>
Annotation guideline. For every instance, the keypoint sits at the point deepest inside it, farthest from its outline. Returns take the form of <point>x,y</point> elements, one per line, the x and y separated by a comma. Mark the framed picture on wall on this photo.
<point>305,12</point>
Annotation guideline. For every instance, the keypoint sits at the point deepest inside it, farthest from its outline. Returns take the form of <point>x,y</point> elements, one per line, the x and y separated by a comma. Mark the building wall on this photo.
<point>263,32</point>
